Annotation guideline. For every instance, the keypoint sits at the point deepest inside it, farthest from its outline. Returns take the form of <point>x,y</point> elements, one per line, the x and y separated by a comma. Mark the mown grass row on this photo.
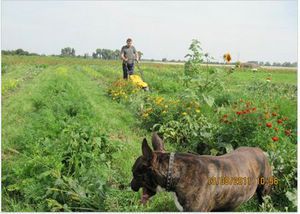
<point>68,147</point>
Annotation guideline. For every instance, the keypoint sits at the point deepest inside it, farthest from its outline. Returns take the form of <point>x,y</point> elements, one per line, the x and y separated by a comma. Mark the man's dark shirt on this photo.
<point>129,53</point>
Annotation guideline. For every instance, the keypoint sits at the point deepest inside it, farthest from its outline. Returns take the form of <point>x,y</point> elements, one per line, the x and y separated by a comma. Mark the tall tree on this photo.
<point>68,51</point>
<point>140,54</point>
<point>73,52</point>
<point>98,53</point>
<point>117,54</point>
<point>94,55</point>
<point>286,64</point>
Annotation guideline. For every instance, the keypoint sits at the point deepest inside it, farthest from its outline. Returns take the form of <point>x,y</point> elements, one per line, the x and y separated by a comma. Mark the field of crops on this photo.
<point>72,129</point>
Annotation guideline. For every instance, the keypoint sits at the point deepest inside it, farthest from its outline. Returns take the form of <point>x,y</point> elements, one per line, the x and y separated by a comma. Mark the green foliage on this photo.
<point>190,133</point>
<point>202,80</point>
<point>9,85</point>
<point>64,160</point>
<point>223,99</point>
<point>107,54</point>
<point>67,146</point>
<point>268,89</point>
<point>122,90</point>
<point>68,51</point>
<point>18,51</point>
<point>239,123</point>
<point>4,68</point>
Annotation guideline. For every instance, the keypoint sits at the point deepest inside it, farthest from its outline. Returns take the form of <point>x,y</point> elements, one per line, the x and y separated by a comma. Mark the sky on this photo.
<point>248,30</point>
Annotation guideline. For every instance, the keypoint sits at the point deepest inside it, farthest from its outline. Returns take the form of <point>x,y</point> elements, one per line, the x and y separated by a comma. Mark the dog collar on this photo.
<point>170,170</point>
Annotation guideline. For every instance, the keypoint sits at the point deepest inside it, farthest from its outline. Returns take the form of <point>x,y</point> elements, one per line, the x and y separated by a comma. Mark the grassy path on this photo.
<point>48,163</point>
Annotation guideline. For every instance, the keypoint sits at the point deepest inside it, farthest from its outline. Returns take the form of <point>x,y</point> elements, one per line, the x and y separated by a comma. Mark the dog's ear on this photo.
<point>147,152</point>
<point>157,143</point>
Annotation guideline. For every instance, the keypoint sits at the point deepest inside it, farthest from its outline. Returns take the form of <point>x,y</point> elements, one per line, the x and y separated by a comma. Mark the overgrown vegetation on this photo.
<point>212,116</point>
<point>72,130</point>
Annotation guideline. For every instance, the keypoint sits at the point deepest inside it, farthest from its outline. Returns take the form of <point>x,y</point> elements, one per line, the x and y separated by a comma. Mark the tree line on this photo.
<point>108,54</point>
<point>277,64</point>
<point>18,51</point>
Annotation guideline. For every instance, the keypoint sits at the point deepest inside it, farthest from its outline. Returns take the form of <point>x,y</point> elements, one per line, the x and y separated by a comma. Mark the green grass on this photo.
<point>276,77</point>
<point>33,119</point>
<point>67,146</point>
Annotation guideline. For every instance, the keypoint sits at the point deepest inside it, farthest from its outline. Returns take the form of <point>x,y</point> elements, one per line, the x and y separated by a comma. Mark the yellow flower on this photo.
<point>159,100</point>
<point>145,115</point>
<point>198,110</point>
<point>148,110</point>
<point>164,111</point>
<point>184,113</point>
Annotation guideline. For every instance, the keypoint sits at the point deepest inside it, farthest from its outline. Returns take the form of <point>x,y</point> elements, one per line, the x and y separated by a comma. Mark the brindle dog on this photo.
<point>191,177</point>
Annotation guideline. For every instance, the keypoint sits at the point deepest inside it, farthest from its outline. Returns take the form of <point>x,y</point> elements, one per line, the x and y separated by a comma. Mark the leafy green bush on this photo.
<point>189,132</point>
<point>158,110</point>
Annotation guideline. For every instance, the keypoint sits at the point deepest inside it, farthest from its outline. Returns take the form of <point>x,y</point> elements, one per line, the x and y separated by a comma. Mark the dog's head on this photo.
<point>143,170</point>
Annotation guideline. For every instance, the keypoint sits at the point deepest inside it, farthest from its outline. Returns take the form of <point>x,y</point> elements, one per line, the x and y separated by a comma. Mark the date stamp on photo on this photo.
<point>228,180</point>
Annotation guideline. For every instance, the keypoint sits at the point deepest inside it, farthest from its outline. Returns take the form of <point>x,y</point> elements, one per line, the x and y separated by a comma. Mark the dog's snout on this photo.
<point>134,186</point>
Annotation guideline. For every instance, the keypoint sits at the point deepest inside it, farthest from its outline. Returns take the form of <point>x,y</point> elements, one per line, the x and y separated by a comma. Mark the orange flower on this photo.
<point>226,121</point>
<point>269,125</point>
<point>287,132</point>
<point>279,121</point>
<point>267,115</point>
<point>274,114</point>
<point>275,139</point>
<point>276,129</point>
<point>227,57</point>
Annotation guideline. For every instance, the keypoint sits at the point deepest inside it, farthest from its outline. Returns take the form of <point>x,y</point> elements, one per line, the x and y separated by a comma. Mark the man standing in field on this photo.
<point>128,55</point>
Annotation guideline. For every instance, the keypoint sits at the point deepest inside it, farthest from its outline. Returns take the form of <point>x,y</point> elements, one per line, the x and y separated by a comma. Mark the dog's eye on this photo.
<point>136,175</point>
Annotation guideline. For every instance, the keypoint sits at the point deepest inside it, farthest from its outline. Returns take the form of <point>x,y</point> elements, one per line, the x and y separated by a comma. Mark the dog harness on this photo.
<point>170,170</point>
